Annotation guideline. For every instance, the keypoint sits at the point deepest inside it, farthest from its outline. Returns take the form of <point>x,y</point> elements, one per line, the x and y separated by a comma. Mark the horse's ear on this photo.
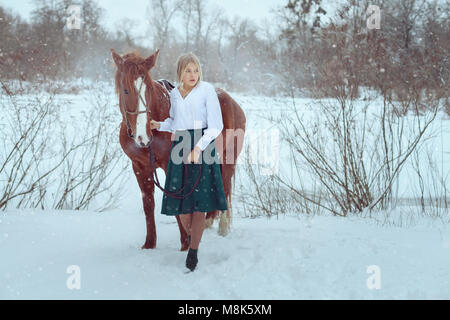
<point>117,58</point>
<point>151,60</point>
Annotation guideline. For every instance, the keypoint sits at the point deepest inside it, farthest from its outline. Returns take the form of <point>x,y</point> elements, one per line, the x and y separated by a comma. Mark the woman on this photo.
<point>196,120</point>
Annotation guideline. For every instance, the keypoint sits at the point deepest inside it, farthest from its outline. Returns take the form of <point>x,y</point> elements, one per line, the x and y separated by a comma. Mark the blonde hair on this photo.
<point>182,63</point>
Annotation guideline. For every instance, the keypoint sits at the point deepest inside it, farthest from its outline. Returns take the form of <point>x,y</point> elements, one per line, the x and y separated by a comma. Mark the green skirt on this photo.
<point>209,194</point>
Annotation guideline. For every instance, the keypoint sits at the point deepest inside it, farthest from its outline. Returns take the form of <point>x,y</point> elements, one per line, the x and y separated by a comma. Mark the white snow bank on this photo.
<point>289,258</point>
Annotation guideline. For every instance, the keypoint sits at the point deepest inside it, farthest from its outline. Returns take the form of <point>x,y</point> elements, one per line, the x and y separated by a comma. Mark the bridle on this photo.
<point>154,176</point>
<point>137,112</point>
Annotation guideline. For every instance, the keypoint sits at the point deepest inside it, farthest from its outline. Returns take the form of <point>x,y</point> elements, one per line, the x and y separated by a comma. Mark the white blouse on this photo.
<point>199,109</point>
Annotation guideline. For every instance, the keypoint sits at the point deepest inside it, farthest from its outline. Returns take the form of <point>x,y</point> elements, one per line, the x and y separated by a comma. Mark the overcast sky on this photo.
<point>116,10</point>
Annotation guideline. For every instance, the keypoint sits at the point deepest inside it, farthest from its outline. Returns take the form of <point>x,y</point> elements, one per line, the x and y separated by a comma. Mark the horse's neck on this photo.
<point>160,104</point>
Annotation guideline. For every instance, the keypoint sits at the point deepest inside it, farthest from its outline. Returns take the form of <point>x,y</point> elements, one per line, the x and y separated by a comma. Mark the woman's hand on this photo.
<point>194,155</point>
<point>154,124</point>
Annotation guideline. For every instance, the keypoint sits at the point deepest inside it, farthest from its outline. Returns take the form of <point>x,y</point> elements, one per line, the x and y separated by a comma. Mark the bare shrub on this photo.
<point>45,165</point>
<point>355,149</point>
<point>261,194</point>
<point>99,168</point>
<point>432,191</point>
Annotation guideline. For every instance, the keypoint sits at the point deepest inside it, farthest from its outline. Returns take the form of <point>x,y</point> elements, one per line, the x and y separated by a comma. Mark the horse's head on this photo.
<point>132,82</point>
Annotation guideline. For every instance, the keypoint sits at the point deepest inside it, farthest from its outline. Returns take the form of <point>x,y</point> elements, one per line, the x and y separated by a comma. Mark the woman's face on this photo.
<point>190,75</point>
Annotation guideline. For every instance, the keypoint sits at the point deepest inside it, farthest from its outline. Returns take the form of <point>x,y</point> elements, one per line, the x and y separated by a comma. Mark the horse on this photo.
<point>141,144</point>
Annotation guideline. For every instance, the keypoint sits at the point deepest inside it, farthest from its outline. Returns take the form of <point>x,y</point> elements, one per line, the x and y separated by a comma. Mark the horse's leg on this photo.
<point>147,190</point>
<point>210,216</point>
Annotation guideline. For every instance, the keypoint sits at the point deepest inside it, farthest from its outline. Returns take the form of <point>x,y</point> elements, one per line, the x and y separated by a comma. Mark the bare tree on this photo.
<point>161,16</point>
<point>199,15</point>
<point>200,23</point>
<point>187,16</point>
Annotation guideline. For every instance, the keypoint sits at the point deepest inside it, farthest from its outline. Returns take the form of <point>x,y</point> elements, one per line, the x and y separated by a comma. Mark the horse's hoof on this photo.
<point>148,246</point>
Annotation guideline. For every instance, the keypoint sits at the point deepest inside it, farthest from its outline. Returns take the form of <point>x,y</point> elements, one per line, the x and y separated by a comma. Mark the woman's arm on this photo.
<point>213,118</point>
<point>166,125</point>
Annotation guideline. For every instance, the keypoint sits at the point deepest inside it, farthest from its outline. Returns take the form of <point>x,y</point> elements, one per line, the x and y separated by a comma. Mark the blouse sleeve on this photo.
<point>166,125</point>
<point>213,118</point>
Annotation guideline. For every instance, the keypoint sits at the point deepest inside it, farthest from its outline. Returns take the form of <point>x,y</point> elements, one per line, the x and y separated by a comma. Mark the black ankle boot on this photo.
<point>191,259</point>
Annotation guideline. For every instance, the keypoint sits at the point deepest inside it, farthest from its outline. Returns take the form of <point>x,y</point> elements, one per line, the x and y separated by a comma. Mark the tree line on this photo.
<point>301,47</point>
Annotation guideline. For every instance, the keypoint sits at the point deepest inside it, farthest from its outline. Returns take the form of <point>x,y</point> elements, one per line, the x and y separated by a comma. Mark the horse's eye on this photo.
<point>126,91</point>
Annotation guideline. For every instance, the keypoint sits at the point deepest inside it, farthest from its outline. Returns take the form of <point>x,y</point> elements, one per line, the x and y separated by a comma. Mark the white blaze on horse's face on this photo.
<point>141,136</point>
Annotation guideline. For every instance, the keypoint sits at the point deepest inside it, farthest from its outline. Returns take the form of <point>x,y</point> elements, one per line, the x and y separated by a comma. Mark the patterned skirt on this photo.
<point>209,194</point>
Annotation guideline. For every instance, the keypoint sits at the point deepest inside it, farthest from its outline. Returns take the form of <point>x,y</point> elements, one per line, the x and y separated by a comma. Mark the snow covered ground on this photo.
<point>286,258</point>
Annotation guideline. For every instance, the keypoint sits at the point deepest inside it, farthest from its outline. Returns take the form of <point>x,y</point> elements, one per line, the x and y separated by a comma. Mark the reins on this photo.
<point>172,194</point>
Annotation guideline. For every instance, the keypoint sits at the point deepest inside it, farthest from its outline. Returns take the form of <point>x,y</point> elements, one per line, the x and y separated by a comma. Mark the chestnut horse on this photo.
<point>137,140</point>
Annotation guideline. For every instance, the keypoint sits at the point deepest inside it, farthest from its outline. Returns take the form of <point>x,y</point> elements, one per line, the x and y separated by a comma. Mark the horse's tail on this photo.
<point>230,213</point>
